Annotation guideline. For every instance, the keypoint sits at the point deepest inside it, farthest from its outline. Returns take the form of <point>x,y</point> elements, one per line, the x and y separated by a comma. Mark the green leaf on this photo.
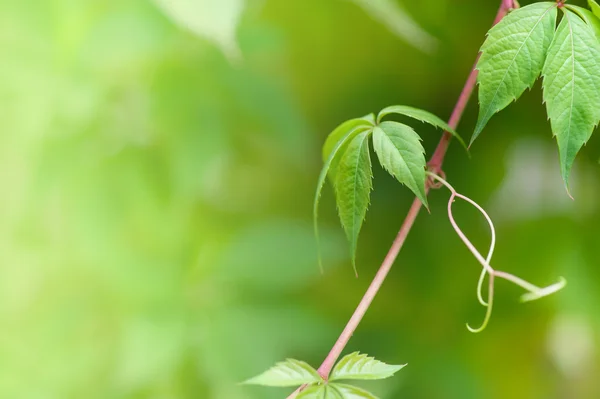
<point>356,366</point>
<point>572,87</point>
<point>420,115</point>
<point>590,19</point>
<point>353,184</point>
<point>342,135</point>
<point>400,153</point>
<point>340,132</point>
<point>352,392</point>
<point>287,374</point>
<point>512,58</point>
<point>214,20</point>
<point>595,7</point>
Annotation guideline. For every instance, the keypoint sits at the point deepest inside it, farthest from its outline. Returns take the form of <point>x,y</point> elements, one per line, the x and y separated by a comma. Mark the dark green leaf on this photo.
<point>572,87</point>
<point>512,57</point>
<point>400,152</point>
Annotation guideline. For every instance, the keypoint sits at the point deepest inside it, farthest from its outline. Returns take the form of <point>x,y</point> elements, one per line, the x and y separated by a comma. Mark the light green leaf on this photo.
<point>572,87</point>
<point>214,20</point>
<point>420,115</point>
<point>389,13</point>
<point>590,19</point>
<point>325,391</point>
<point>356,366</point>
<point>595,7</point>
<point>340,132</point>
<point>400,153</point>
<point>353,184</point>
<point>512,58</point>
<point>287,374</point>
<point>352,392</point>
<point>342,135</point>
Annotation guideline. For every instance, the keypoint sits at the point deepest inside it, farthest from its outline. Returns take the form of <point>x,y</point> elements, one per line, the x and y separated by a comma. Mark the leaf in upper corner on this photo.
<point>389,13</point>
<point>594,7</point>
<point>400,152</point>
<point>353,184</point>
<point>420,115</point>
<point>289,373</point>
<point>351,392</point>
<point>214,20</point>
<point>590,19</point>
<point>512,58</point>
<point>572,87</point>
<point>356,366</point>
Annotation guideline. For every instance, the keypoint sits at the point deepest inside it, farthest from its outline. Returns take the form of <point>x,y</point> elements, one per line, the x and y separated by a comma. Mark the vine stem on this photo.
<point>435,166</point>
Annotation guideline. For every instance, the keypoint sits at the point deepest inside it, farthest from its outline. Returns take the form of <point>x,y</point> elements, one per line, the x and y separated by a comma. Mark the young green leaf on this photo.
<point>287,374</point>
<point>343,134</point>
<point>572,87</point>
<point>420,115</point>
<point>512,58</point>
<point>356,366</point>
<point>353,126</point>
<point>590,19</point>
<point>352,392</point>
<point>400,152</point>
<point>353,184</point>
<point>595,7</point>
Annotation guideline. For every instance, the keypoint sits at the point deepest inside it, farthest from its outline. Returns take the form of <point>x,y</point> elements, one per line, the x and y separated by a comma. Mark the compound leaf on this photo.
<point>572,87</point>
<point>589,18</point>
<point>420,115</point>
<point>400,152</point>
<point>512,58</point>
<point>356,366</point>
<point>287,374</point>
<point>353,185</point>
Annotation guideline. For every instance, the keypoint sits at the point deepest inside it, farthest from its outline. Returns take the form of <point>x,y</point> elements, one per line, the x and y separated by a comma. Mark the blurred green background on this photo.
<point>158,162</point>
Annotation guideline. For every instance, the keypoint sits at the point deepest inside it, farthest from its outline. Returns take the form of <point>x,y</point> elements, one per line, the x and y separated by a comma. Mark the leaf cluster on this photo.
<point>527,43</point>
<point>355,366</point>
<point>347,162</point>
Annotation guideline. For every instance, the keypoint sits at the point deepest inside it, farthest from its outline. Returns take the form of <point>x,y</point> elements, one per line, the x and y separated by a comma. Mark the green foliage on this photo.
<point>400,152</point>
<point>357,366</point>
<point>512,57</point>
<point>594,7</point>
<point>354,366</point>
<point>348,164</point>
<point>287,374</point>
<point>527,42</point>
<point>572,87</point>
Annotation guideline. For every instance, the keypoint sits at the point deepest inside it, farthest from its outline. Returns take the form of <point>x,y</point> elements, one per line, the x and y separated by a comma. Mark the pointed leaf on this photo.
<point>355,125</point>
<point>356,366</point>
<point>512,57</point>
<point>325,391</point>
<point>572,87</point>
<point>352,392</point>
<point>353,184</point>
<point>287,374</point>
<point>350,130</point>
<point>420,115</point>
<point>595,7</point>
<point>400,152</point>
<point>590,19</point>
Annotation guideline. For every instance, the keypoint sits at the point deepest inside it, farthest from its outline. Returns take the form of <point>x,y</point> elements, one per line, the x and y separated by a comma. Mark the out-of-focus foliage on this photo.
<point>155,234</point>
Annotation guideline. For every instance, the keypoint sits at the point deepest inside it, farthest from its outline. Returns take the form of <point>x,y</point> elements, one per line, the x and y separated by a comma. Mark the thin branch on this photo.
<point>435,165</point>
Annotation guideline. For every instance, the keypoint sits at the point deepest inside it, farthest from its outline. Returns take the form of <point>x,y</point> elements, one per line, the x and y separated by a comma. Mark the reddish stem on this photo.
<point>435,165</point>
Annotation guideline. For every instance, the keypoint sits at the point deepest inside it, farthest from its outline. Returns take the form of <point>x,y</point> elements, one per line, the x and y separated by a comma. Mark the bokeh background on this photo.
<point>158,162</point>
